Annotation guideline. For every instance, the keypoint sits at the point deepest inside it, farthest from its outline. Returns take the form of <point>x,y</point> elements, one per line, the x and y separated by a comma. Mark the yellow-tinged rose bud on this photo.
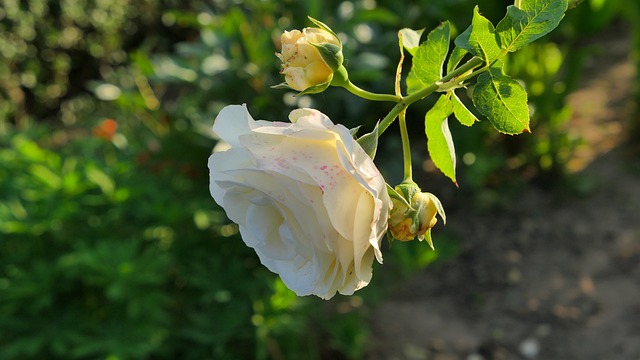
<point>426,206</point>
<point>414,213</point>
<point>310,57</point>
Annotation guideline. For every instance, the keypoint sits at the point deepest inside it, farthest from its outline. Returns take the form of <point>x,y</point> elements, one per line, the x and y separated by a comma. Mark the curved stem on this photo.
<point>406,148</point>
<point>352,88</point>
<point>478,71</point>
<point>411,98</point>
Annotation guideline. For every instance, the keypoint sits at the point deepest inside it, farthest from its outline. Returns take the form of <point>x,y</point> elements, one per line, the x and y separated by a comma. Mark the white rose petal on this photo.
<point>306,197</point>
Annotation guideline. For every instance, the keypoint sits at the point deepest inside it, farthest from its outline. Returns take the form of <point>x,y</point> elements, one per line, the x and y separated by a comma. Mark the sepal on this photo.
<point>331,54</point>
<point>315,89</point>
<point>322,25</point>
<point>282,85</point>
<point>369,142</point>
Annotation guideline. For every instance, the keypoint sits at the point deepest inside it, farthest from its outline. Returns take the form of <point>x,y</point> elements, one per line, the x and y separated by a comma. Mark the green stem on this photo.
<point>477,72</point>
<point>406,148</point>
<point>411,98</point>
<point>352,88</point>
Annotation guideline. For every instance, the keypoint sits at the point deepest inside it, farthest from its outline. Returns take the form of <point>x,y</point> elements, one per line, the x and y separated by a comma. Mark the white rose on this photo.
<point>306,197</point>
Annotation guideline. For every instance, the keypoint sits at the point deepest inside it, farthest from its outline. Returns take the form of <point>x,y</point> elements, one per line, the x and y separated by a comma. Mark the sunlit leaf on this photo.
<point>534,19</point>
<point>410,39</point>
<point>480,38</point>
<point>464,115</point>
<point>454,59</point>
<point>429,58</point>
<point>502,100</point>
<point>439,141</point>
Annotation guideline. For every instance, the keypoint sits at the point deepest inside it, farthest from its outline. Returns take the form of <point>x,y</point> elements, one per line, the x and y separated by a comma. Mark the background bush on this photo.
<point>110,245</point>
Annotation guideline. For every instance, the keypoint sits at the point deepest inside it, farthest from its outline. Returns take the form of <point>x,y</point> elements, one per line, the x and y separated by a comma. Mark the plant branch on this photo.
<point>352,88</point>
<point>428,90</point>
<point>406,148</point>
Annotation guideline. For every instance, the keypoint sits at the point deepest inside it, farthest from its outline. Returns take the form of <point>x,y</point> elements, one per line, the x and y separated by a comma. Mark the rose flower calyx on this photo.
<point>414,213</point>
<point>310,58</point>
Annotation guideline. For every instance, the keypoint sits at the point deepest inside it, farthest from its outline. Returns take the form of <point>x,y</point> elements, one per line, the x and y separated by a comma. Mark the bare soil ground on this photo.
<point>552,277</point>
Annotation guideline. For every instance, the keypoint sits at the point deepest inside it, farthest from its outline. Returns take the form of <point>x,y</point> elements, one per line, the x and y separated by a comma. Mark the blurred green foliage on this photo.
<point>110,245</point>
<point>102,255</point>
<point>50,48</point>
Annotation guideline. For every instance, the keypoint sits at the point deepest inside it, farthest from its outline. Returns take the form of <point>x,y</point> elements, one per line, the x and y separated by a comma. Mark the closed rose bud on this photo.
<point>310,57</point>
<point>414,213</point>
<point>426,206</point>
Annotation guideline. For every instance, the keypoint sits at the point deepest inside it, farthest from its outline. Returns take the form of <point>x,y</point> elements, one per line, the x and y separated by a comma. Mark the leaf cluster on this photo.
<point>496,96</point>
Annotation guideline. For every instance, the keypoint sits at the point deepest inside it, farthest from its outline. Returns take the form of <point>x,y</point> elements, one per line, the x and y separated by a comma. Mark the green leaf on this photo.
<point>533,20</point>
<point>439,141</point>
<point>369,142</point>
<point>427,63</point>
<point>410,39</point>
<point>456,56</point>
<point>502,100</point>
<point>480,38</point>
<point>330,53</point>
<point>464,115</point>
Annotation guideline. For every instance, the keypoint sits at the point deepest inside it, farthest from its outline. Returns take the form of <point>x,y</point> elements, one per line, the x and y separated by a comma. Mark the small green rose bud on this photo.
<point>414,213</point>
<point>310,57</point>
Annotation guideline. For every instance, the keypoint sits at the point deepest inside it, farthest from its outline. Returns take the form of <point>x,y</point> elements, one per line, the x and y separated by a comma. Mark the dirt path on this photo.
<point>548,279</point>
